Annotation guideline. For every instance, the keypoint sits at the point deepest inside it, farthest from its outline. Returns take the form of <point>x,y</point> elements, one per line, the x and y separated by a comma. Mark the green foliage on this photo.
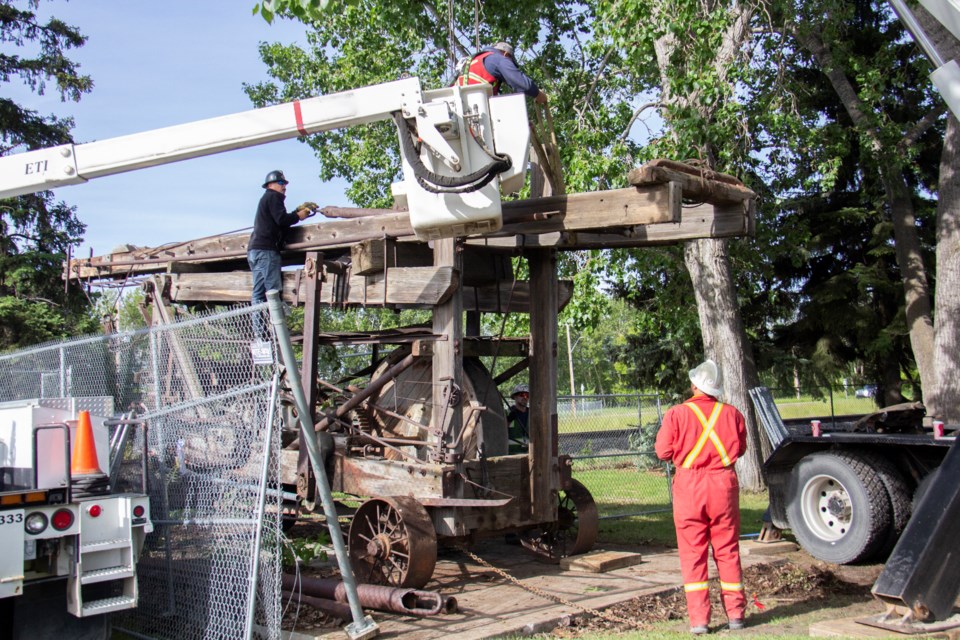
<point>818,286</point>
<point>303,550</point>
<point>35,231</point>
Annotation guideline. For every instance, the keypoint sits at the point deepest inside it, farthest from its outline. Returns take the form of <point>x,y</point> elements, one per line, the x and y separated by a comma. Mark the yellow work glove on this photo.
<point>306,210</point>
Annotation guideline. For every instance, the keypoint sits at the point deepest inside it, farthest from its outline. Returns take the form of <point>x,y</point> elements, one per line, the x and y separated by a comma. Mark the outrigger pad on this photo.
<point>923,571</point>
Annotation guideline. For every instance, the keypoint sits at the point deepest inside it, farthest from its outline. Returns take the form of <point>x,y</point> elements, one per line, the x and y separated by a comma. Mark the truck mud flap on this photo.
<point>923,571</point>
<point>768,415</point>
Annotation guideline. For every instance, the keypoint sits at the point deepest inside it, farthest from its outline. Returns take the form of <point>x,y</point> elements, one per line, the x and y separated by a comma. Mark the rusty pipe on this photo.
<point>450,604</point>
<point>412,602</point>
<point>330,607</point>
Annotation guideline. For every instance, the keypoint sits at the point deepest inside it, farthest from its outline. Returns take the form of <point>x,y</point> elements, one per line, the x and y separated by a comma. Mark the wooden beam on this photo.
<point>421,287</point>
<point>595,210</point>
<point>500,347</point>
<point>404,286</point>
<point>509,297</point>
<point>313,285</point>
<point>544,473</point>
<point>703,185</point>
<point>699,221</point>
<point>371,256</point>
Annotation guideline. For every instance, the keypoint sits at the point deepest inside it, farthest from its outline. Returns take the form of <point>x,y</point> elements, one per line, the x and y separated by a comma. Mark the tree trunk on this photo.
<point>725,341</point>
<point>944,403</point>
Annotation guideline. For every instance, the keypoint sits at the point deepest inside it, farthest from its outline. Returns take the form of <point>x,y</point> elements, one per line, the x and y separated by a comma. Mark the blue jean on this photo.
<point>265,267</point>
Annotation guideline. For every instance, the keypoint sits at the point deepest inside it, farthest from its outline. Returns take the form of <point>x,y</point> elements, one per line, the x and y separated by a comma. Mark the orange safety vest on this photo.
<point>708,433</point>
<point>474,73</point>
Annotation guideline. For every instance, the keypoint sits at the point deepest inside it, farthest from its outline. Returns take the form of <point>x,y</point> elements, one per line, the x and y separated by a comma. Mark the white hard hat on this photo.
<point>505,47</point>
<point>707,378</point>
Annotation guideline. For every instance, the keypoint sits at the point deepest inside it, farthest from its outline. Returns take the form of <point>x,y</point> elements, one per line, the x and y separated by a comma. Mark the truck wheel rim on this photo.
<point>827,508</point>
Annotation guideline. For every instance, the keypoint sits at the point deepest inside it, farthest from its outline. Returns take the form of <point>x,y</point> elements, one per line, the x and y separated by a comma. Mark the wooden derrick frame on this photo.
<point>372,258</point>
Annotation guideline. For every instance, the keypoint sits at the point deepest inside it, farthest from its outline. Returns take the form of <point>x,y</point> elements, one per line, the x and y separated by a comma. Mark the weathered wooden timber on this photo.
<point>590,216</point>
<point>405,287</point>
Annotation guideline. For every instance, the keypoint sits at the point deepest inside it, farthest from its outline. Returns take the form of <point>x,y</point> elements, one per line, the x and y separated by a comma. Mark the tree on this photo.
<point>880,132</point>
<point>35,230</point>
<point>697,52</point>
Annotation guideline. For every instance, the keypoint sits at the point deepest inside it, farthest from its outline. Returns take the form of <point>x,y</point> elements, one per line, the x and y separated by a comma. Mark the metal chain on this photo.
<point>610,617</point>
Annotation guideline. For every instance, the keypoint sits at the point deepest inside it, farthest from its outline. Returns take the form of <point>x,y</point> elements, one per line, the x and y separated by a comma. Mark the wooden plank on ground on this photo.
<point>601,561</point>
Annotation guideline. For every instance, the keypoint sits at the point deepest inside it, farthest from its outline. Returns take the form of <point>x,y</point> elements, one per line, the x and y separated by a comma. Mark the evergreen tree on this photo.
<point>36,231</point>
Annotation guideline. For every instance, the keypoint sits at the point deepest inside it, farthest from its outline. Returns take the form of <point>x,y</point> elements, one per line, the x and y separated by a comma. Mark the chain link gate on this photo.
<point>212,566</point>
<point>610,439</point>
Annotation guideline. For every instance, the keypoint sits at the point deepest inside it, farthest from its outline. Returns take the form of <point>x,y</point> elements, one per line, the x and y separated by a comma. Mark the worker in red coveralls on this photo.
<point>704,437</point>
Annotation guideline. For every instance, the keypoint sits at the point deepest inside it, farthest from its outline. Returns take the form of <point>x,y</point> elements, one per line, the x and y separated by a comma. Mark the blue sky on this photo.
<point>156,64</point>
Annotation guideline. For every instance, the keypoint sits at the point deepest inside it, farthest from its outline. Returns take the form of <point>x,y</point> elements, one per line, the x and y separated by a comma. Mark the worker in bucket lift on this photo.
<point>518,416</point>
<point>704,437</point>
<point>496,65</point>
<point>269,234</point>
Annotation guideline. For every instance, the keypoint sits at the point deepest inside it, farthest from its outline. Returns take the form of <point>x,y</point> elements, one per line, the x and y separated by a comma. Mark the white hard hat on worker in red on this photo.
<point>707,378</point>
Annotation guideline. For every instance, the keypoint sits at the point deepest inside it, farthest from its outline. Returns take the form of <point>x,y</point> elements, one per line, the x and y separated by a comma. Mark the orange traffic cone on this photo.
<point>84,461</point>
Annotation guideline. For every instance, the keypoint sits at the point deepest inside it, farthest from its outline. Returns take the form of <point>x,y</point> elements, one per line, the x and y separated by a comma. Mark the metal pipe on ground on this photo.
<point>329,607</point>
<point>412,602</point>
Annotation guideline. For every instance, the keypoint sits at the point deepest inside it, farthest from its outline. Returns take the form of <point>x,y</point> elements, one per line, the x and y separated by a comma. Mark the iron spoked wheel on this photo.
<point>575,530</point>
<point>392,542</point>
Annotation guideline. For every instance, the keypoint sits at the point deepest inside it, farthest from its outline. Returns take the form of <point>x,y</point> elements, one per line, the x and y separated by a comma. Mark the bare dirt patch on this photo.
<point>783,598</point>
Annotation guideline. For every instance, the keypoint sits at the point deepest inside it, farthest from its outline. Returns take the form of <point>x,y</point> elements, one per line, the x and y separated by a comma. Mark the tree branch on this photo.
<point>927,121</point>
<point>636,114</point>
<point>593,85</point>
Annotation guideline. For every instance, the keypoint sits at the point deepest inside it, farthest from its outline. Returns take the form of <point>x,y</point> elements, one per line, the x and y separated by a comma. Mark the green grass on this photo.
<point>658,529</point>
<point>790,407</point>
<point>810,407</point>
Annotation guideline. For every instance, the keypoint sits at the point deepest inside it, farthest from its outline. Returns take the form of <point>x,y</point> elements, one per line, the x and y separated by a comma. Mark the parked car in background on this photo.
<point>866,391</point>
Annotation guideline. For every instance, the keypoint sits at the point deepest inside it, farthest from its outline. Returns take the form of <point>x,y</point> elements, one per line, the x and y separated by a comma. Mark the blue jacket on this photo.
<point>506,70</point>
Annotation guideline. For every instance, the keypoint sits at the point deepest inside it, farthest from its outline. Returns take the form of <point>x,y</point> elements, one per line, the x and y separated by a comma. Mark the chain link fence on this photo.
<point>610,439</point>
<point>210,413</point>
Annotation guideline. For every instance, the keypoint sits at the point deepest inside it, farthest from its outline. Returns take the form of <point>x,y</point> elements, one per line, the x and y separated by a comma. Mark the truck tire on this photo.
<point>838,507</point>
<point>901,500</point>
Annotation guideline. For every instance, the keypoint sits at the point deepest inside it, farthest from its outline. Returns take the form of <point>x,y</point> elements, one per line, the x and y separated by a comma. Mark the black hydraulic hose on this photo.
<point>437,183</point>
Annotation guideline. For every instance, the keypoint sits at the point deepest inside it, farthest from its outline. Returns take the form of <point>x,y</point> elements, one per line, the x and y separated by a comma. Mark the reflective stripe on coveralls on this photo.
<point>708,432</point>
<point>706,511</point>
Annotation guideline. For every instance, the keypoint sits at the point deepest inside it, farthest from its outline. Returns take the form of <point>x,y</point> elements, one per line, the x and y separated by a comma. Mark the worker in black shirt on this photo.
<point>518,418</point>
<point>269,234</point>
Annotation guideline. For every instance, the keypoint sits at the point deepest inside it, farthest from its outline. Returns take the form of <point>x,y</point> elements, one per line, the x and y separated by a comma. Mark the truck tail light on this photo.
<point>138,511</point>
<point>35,523</point>
<point>62,519</point>
<point>94,511</point>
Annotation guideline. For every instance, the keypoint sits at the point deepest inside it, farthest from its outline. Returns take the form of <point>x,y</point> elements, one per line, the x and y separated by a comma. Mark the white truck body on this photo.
<point>46,532</point>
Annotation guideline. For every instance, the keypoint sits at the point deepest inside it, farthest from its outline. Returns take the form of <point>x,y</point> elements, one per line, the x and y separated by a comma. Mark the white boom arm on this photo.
<point>460,129</point>
<point>946,74</point>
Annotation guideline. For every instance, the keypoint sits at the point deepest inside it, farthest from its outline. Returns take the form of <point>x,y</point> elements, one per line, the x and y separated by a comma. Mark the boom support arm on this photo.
<point>460,131</point>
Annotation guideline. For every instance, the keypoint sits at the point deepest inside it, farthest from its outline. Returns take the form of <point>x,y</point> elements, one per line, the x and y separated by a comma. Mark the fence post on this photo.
<point>362,626</point>
<point>63,374</point>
